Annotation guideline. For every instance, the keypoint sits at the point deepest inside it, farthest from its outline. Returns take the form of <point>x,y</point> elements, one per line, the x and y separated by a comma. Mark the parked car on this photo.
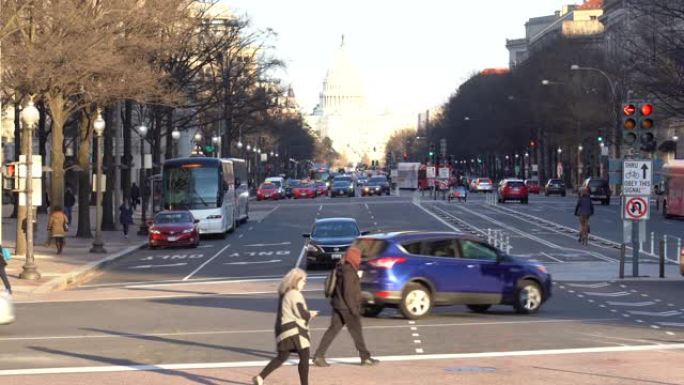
<point>598,189</point>
<point>174,228</point>
<point>513,189</point>
<point>307,190</point>
<point>554,186</point>
<point>329,240</point>
<point>482,185</point>
<point>533,186</point>
<point>268,191</point>
<point>416,270</point>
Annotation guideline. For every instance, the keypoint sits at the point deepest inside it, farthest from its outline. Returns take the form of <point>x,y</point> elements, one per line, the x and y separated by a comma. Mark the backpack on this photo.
<point>6,255</point>
<point>330,282</point>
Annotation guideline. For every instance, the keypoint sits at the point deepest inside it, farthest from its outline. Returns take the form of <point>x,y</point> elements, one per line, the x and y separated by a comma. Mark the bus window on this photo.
<point>191,188</point>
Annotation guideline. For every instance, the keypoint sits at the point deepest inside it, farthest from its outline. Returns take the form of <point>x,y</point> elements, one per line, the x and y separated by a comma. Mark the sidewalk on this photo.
<point>75,263</point>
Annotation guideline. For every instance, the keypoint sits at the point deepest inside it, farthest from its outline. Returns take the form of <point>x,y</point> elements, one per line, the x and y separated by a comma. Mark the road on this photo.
<point>213,306</point>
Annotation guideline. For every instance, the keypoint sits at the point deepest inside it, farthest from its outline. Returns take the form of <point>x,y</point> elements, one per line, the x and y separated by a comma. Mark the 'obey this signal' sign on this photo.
<point>636,208</point>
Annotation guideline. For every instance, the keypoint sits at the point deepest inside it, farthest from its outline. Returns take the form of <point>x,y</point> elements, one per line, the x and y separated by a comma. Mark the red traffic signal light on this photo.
<point>628,109</point>
<point>646,109</point>
<point>532,144</point>
<point>10,170</point>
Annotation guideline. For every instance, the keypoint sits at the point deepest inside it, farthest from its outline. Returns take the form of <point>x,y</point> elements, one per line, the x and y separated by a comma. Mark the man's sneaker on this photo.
<point>320,362</point>
<point>369,362</point>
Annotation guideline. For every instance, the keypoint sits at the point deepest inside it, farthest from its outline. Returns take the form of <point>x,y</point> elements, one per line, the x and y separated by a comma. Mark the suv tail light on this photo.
<point>386,262</point>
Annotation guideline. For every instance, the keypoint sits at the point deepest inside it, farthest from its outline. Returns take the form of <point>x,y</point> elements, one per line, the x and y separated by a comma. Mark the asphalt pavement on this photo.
<point>214,306</point>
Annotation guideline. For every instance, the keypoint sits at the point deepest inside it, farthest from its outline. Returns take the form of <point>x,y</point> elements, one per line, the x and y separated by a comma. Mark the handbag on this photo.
<point>6,309</point>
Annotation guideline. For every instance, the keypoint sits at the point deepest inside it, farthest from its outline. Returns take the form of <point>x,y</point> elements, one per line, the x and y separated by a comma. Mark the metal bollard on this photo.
<point>679,248</point>
<point>489,236</point>
<point>662,259</point>
<point>508,244</point>
<point>623,251</point>
<point>652,243</point>
<point>665,240</point>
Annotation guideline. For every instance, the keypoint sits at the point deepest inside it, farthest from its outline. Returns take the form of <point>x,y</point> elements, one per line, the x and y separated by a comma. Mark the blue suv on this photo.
<point>415,271</point>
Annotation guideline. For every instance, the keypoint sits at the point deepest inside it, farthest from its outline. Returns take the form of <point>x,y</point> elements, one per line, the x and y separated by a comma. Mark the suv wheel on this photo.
<point>371,310</point>
<point>528,297</point>
<point>478,308</point>
<point>416,301</point>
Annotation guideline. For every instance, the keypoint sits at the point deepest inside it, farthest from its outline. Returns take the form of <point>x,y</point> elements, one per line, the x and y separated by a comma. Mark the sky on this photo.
<point>412,54</point>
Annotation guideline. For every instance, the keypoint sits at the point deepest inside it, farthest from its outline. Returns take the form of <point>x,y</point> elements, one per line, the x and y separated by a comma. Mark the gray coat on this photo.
<point>584,206</point>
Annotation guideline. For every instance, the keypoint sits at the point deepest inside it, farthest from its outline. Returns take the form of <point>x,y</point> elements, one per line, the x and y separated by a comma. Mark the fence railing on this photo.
<point>499,239</point>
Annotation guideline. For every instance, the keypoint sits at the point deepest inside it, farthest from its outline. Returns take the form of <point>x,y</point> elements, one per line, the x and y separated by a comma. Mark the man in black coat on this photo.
<point>584,209</point>
<point>346,304</point>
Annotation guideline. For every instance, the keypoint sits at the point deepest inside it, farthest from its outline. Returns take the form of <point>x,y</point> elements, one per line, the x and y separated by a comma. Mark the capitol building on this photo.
<point>343,115</point>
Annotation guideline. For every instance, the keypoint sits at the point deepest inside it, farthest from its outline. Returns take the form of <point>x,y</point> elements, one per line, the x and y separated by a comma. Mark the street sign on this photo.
<point>443,173</point>
<point>637,177</point>
<point>636,208</point>
<point>430,172</point>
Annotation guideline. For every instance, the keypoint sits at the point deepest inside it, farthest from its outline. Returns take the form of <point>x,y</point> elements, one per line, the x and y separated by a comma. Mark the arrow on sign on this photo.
<point>153,266</point>
<point>644,168</point>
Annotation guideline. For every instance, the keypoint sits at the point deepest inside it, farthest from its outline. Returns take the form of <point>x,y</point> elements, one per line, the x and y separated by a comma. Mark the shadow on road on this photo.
<point>194,378</point>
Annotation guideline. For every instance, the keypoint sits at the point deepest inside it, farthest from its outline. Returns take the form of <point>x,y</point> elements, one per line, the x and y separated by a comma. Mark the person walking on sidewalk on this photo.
<point>125,217</point>
<point>291,327</point>
<point>3,273</point>
<point>58,225</point>
<point>69,202</point>
<point>346,304</point>
<point>135,195</point>
<point>584,210</point>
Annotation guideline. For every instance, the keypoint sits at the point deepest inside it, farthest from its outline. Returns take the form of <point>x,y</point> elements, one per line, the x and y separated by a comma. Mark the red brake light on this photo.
<point>386,262</point>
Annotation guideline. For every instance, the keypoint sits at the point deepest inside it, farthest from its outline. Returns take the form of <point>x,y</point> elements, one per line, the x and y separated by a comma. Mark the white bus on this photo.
<point>209,188</point>
<point>241,189</point>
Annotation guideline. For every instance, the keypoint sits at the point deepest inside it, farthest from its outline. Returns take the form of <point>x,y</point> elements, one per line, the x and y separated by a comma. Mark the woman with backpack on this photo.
<point>292,326</point>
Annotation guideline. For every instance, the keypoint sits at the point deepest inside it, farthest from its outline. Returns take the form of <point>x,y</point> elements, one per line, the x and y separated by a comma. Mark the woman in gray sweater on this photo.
<point>291,326</point>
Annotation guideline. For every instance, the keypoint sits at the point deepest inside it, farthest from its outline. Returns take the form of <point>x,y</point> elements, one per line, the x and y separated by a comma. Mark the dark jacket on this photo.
<point>69,199</point>
<point>125,215</point>
<point>584,207</point>
<point>347,296</point>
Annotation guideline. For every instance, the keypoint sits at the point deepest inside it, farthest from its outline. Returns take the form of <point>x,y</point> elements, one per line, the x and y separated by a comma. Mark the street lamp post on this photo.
<point>216,140</point>
<point>175,135</point>
<point>198,146</point>
<point>675,139</point>
<point>98,245</point>
<point>580,148</point>
<point>142,131</point>
<point>29,117</point>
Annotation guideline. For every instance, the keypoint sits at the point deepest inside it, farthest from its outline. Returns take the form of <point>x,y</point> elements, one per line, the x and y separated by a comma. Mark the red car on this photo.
<point>321,188</point>
<point>513,189</point>
<point>174,228</point>
<point>304,191</point>
<point>268,191</point>
<point>533,186</point>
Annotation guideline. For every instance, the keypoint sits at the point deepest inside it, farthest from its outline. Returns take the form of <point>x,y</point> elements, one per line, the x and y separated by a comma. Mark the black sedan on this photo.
<point>329,240</point>
<point>554,186</point>
<point>377,185</point>
<point>342,188</point>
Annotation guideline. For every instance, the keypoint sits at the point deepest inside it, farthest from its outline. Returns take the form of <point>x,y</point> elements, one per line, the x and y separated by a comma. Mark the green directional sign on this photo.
<point>209,148</point>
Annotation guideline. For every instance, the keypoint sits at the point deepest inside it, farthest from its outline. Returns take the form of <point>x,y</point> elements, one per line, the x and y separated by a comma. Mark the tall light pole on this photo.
<point>29,117</point>
<point>175,135</point>
<point>580,148</point>
<point>675,139</point>
<point>142,131</point>
<point>216,140</point>
<point>98,245</point>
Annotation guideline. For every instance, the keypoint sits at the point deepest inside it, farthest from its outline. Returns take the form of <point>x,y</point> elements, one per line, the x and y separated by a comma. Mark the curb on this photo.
<point>75,277</point>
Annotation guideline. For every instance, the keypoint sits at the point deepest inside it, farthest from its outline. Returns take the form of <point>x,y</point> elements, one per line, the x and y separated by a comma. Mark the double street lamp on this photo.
<point>175,135</point>
<point>142,131</point>
<point>29,117</point>
<point>98,245</point>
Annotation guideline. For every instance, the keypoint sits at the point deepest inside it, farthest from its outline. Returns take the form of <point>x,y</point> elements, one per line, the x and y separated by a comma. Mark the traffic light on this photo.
<point>646,126</point>
<point>629,125</point>
<point>532,144</point>
<point>405,155</point>
<point>600,139</point>
<point>10,174</point>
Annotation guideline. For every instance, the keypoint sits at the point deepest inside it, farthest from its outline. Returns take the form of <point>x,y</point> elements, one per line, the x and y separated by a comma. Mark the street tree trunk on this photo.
<point>17,150</point>
<point>108,222</point>
<point>84,186</point>
<point>57,103</point>
<point>127,158</point>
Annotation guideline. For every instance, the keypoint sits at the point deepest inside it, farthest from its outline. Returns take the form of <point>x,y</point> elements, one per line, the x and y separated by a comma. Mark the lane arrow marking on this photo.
<point>252,262</point>
<point>269,244</point>
<point>153,266</point>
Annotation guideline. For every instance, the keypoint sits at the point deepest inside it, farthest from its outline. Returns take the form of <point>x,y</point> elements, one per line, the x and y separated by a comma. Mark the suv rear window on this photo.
<point>555,181</point>
<point>596,183</point>
<point>370,247</point>
<point>516,184</point>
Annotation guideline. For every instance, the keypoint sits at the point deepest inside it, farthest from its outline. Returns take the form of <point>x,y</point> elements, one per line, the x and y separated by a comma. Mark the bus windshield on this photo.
<point>191,188</point>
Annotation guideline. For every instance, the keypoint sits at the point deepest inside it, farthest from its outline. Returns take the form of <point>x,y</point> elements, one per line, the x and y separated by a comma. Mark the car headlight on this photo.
<point>187,231</point>
<point>311,248</point>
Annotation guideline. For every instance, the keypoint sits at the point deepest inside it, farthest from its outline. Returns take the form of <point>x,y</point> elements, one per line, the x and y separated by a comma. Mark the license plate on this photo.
<point>172,239</point>
<point>267,195</point>
<point>337,256</point>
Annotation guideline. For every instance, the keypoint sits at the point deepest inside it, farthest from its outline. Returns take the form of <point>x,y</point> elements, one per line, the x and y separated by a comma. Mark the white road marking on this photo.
<point>675,324</point>
<point>415,335</point>
<point>206,246</point>
<point>616,294</point>
<point>206,263</point>
<point>420,351</point>
<point>590,285</point>
<point>655,326</point>
<point>155,266</point>
<point>669,333</point>
<point>251,228</point>
<point>670,313</point>
<point>241,235</point>
<point>413,328</point>
<point>550,257</point>
<point>417,341</point>
<point>640,321</point>
<point>412,322</point>
<point>632,304</point>
<point>346,360</point>
<point>301,256</point>
<point>253,262</point>
<point>320,207</point>
<point>269,244</point>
